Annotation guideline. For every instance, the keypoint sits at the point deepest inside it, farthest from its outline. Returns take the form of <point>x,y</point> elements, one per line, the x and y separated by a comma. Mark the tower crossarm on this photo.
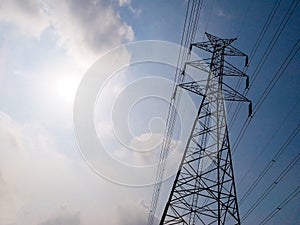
<point>202,64</point>
<point>196,87</point>
<point>232,95</point>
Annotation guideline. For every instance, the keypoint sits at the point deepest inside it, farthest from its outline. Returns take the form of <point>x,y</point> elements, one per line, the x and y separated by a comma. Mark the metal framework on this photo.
<point>204,190</point>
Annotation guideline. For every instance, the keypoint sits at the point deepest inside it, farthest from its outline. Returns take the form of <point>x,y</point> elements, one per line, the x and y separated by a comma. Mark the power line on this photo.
<point>267,91</point>
<point>274,39</point>
<point>267,52</point>
<point>252,53</point>
<point>271,187</point>
<point>270,164</point>
<point>273,135</point>
<point>281,206</point>
<point>276,77</point>
<point>264,29</point>
<point>188,35</point>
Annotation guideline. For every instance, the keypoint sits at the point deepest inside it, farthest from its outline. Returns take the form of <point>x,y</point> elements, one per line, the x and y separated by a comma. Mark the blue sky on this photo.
<point>47,47</point>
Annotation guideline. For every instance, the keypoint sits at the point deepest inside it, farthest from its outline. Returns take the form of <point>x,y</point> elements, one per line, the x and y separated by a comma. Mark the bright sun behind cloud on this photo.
<point>66,88</point>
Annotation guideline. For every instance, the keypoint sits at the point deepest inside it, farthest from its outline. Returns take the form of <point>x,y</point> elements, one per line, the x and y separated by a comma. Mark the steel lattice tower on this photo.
<point>204,189</point>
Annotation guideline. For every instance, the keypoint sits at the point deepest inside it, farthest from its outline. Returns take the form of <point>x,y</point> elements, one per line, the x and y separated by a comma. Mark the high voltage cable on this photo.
<point>273,135</point>
<point>267,91</point>
<point>267,52</point>
<point>274,39</point>
<point>275,79</point>
<point>181,46</point>
<point>264,29</point>
<point>270,164</point>
<point>271,187</point>
<point>172,112</point>
<point>252,53</point>
<point>194,15</point>
<point>188,35</point>
<point>281,206</point>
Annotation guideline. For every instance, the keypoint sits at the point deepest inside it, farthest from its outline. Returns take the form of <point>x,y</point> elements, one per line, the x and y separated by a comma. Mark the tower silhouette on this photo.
<point>204,189</point>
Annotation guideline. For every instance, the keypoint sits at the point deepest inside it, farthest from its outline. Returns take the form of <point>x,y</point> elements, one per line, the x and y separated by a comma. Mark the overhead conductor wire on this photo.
<point>189,30</point>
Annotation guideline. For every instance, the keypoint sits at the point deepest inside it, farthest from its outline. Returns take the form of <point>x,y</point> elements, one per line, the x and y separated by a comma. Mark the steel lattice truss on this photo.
<point>204,189</point>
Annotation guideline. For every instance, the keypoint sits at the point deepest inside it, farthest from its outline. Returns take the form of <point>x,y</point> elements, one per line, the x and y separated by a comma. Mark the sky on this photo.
<point>75,72</point>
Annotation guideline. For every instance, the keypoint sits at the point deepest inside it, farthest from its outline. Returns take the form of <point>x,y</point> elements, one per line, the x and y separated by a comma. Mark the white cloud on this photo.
<point>34,176</point>
<point>41,186</point>
<point>29,16</point>
<point>86,29</point>
<point>124,2</point>
<point>221,13</point>
<point>64,217</point>
<point>135,11</point>
<point>7,204</point>
<point>133,214</point>
<point>143,150</point>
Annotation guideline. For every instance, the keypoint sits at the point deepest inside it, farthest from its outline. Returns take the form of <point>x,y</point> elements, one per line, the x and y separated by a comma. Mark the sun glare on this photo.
<point>66,88</point>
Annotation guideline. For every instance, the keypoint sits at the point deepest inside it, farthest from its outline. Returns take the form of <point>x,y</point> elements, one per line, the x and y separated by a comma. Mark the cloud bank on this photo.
<point>86,29</point>
<point>40,186</point>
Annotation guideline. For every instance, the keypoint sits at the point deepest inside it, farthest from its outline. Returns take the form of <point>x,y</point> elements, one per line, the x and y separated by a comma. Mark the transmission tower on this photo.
<point>204,189</point>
